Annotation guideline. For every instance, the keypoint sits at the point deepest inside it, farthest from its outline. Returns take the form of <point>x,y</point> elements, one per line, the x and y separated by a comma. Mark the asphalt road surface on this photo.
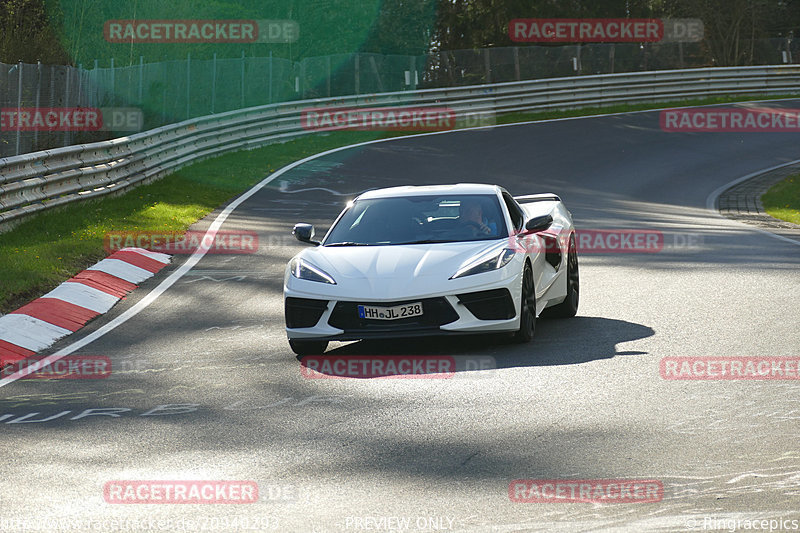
<point>205,387</point>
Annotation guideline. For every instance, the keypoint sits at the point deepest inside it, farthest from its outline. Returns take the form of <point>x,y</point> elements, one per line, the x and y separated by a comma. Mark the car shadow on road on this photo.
<point>557,342</point>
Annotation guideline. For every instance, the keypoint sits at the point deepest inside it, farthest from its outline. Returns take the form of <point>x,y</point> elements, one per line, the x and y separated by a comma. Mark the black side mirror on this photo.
<point>304,233</point>
<point>538,224</point>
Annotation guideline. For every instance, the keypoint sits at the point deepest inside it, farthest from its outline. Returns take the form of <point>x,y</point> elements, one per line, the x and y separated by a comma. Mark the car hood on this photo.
<point>384,270</point>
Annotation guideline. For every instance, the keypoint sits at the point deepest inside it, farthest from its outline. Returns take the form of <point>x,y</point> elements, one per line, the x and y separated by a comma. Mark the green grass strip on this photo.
<point>782,200</point>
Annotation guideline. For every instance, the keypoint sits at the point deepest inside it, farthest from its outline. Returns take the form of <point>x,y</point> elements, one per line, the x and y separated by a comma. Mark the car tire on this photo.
<point>569,307</point>
<point>527,311</point>
<point>308,347</point>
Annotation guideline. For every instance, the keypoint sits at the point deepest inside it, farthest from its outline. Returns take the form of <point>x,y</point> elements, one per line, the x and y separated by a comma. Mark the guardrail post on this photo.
<point>516,62</point>
<point>358,75</point>
<point>612,57</point>
<point>80,84</point>
<point>94,78</point>
<point>188,80</point>
<point>301,84</point>
<point>488,64</point>
<point>446,63</point>
<point>38,96</point>
<point>213,81</point>
<point>377,73</point>
<point>113,84</point>
<point>19,100</point>
<point>141,69</point>
<point>163,95</point>
<point>52,84</point>
<point>66,99</point>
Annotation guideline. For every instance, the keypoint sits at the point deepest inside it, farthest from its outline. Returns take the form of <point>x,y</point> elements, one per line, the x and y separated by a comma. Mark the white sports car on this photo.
<point>432,260</point>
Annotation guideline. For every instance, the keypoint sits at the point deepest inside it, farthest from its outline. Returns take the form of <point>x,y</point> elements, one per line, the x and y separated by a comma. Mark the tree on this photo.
<point>26,35</point>
<point>464,24</point>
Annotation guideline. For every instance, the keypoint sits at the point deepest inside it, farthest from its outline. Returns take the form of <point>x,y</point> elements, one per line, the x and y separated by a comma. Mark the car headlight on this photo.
<point>302,269</point>
<point>494,260</point>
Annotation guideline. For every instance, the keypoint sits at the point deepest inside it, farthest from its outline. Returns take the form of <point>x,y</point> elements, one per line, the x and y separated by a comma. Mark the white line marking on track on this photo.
<point>212,230</point>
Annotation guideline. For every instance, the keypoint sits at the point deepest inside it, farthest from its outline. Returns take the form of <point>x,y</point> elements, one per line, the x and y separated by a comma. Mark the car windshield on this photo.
<point>419,220</point>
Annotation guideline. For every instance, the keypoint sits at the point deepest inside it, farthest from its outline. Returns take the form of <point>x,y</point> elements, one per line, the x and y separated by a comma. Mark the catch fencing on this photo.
<point>34,182</point>
<point>172,91</point>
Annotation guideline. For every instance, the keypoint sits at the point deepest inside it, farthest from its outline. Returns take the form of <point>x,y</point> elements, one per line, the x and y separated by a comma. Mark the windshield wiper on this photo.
<point>348,243</point>
<point>425,241</point>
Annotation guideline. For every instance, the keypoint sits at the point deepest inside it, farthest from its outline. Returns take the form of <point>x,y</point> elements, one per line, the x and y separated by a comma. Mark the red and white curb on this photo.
<point>72,304</point>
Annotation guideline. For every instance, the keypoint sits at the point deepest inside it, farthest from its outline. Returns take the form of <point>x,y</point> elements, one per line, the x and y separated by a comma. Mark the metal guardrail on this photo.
<point>31,183</point>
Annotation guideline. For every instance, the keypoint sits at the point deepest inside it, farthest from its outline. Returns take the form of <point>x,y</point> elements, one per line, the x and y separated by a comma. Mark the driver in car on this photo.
<point>471,216</point>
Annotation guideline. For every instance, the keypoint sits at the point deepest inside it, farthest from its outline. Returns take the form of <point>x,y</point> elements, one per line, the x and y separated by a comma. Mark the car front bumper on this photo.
<point>487,303</point>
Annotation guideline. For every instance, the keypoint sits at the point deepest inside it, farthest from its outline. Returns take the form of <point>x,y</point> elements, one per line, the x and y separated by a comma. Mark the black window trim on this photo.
<point>513,208</point>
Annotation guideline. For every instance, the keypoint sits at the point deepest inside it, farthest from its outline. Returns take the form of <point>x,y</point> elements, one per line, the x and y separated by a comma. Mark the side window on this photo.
<point>517,217</point>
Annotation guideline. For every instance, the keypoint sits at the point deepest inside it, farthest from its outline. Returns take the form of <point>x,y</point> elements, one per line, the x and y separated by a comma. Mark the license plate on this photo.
<point>390,313</point>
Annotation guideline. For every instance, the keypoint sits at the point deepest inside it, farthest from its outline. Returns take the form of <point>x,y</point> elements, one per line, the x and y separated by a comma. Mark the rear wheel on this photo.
<point>527,312</point>
<point>569,307</point>
<point>308,347</point>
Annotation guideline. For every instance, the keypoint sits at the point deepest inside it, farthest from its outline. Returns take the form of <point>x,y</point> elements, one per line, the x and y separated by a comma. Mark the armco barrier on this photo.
<point>33,182</point>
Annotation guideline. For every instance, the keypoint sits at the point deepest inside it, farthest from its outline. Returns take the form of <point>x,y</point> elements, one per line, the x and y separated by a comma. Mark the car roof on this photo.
<point>431,190</point>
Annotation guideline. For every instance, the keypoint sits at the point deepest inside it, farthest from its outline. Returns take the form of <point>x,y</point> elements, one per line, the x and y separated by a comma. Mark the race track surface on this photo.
<point>205,386</point>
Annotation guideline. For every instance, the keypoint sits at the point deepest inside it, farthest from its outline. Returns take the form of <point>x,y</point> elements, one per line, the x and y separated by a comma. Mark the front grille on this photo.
<point>303,312</point>
<point>495,304</point>
<point>435,312</point>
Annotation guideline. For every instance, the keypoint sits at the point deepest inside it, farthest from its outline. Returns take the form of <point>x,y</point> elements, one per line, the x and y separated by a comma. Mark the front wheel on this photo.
<point>569,307</point>
<point>308,347</point>
<point>527,311</point>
